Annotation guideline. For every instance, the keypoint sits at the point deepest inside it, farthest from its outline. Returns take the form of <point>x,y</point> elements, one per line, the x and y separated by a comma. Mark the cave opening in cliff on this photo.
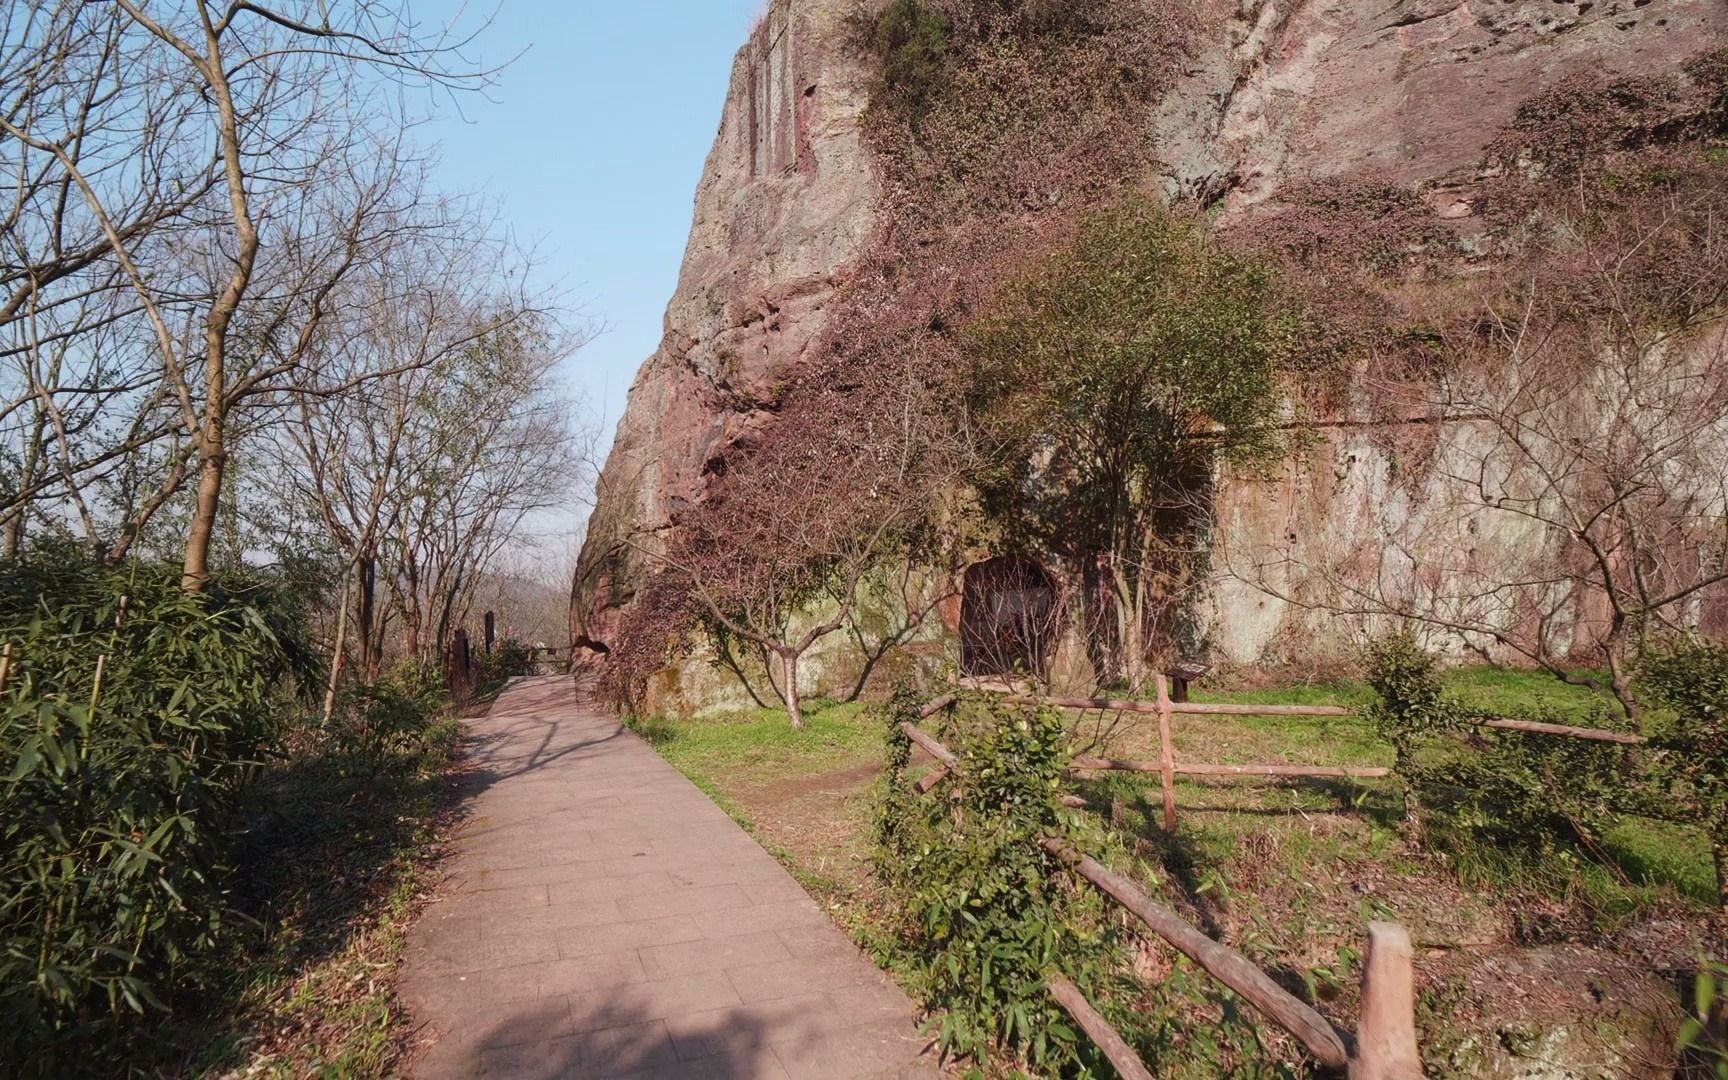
<point>1008,618</point>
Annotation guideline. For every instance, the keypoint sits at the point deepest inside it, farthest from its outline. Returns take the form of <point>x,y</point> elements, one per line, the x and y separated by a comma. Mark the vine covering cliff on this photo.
<point>846,214</point>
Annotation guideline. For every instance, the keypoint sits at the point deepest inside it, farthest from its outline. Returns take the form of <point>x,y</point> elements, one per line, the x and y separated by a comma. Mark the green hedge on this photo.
<point>115,804</point>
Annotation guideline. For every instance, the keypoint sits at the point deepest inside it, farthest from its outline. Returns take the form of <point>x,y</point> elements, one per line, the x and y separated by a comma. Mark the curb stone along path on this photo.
<point>604,918</point>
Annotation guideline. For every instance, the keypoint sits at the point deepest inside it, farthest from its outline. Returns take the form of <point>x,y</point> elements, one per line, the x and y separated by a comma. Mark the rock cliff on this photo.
<point>784,204</point>
<point>1273,94</point>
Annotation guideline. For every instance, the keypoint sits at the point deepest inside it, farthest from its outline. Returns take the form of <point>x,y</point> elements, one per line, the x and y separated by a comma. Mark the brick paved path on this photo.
<point>604,918</point>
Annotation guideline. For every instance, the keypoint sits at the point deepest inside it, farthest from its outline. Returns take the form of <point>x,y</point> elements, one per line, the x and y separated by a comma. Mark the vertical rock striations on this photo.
<point>785,203</point>
<point>1276,95</point>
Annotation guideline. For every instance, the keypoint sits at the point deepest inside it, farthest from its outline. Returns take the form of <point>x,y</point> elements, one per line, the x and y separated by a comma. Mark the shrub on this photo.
<point>980,910</point>
<point>375,723</point>
<point>1690,678</point>
<point>115,800</point>
<point>1534,792</point>
<point>911,41</point>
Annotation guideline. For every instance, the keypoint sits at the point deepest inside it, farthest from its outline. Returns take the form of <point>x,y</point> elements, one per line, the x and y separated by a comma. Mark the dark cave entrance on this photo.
<point>1008,618</point>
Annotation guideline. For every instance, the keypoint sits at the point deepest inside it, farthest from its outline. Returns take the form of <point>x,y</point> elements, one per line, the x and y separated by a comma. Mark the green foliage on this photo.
<point>1690,679</point>
<point>1704,1033</point>
<point>115,802</point>
<point>508,658</point>
<point>375,722</point>
<point>1409,702</point>
<point>982,910</point>
<point>1493,797</point>
<point>1114,350</point>
<point>1108,381</point>
<point>911,42</point>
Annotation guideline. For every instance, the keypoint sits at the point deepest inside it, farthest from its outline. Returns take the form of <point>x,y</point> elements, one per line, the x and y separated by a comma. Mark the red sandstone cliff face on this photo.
<point>1278,92</point>
<point>785,203</point>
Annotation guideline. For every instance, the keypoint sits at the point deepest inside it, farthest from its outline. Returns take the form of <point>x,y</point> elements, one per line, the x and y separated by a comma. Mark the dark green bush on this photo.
<point>980,911</point>
<point>374,723</point>
<point>115,802</point>
<point>911,41</point>
<point>1538,793</point>
<point>508,659</point>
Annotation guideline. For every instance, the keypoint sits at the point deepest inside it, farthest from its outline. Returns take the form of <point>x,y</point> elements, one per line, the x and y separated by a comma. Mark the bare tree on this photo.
<point>198,143</point>
<point>777,555</point>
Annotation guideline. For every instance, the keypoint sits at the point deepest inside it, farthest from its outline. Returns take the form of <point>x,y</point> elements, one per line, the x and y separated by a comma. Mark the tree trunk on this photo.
<point>336,650</point>
<point>789,673</point>
<point>195,570</point>
<point>366,618</point>
<point>1719,847</point>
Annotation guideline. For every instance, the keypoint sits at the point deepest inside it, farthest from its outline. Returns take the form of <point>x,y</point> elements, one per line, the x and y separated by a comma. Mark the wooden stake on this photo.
<point>1166,755</point>
<point>1104,1037</point>
<point>1386,1035</point>
<point>5,665</point>
<point>1224,964</point>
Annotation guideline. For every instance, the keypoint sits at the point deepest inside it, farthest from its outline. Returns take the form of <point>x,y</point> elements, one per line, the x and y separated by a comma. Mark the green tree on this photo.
<point>1113,376</point>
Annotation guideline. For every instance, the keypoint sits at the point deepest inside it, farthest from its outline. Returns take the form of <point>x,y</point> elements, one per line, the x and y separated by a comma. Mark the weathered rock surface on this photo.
<point>784,204</point>
<point>1413,89</point>
<point>1279,92</point>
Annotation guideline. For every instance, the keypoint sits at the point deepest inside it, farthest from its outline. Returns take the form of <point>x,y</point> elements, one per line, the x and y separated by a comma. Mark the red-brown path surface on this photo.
<point>604,918</point>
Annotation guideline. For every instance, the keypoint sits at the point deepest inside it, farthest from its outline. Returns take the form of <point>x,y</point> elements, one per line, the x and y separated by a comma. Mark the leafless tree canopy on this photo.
<point>221,250</point>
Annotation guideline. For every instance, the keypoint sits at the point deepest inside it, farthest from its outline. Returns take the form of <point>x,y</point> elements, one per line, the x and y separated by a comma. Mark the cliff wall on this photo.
<point>1274,95</point>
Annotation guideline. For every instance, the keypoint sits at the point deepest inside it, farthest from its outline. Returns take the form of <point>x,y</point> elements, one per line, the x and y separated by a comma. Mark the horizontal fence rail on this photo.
<point>1385,1041</point>
<point>1220,961</point>
<point>1102,764</point>
<point>1106,1038</point>
<point>1388,1022</point>
<point>1168,768</point>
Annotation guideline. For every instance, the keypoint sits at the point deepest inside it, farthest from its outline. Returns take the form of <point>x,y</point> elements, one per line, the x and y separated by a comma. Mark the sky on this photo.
<point>590,146</point>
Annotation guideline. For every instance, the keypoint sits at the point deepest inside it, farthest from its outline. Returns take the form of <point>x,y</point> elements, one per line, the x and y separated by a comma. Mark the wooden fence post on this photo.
<point>5,664</point>
<point>1386,1034</point>
<point>491,631</point>
<point>1166,755</point>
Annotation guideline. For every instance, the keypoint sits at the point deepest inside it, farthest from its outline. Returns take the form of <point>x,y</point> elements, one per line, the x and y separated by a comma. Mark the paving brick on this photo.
<point>847,1052</point>
<point>747,1031</point>
<point>800,975</point>
<point>588,940</point>
<point>602,917</point>
<point>818,941</point>
<point>764,1067</point>
<point>653,1000</point>
<point>685,899</point>
<point>712,954</point>
<point>578,976</point>
<point>477,948</point>
<point>785,915</point>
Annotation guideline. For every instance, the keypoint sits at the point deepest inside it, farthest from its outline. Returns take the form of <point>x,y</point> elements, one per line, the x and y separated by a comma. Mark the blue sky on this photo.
<point>591,146</point>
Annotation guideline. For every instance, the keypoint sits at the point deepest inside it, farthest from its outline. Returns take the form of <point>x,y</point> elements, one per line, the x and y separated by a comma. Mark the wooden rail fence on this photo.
<point>1168,768</point>
<point>1386,1036</point>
